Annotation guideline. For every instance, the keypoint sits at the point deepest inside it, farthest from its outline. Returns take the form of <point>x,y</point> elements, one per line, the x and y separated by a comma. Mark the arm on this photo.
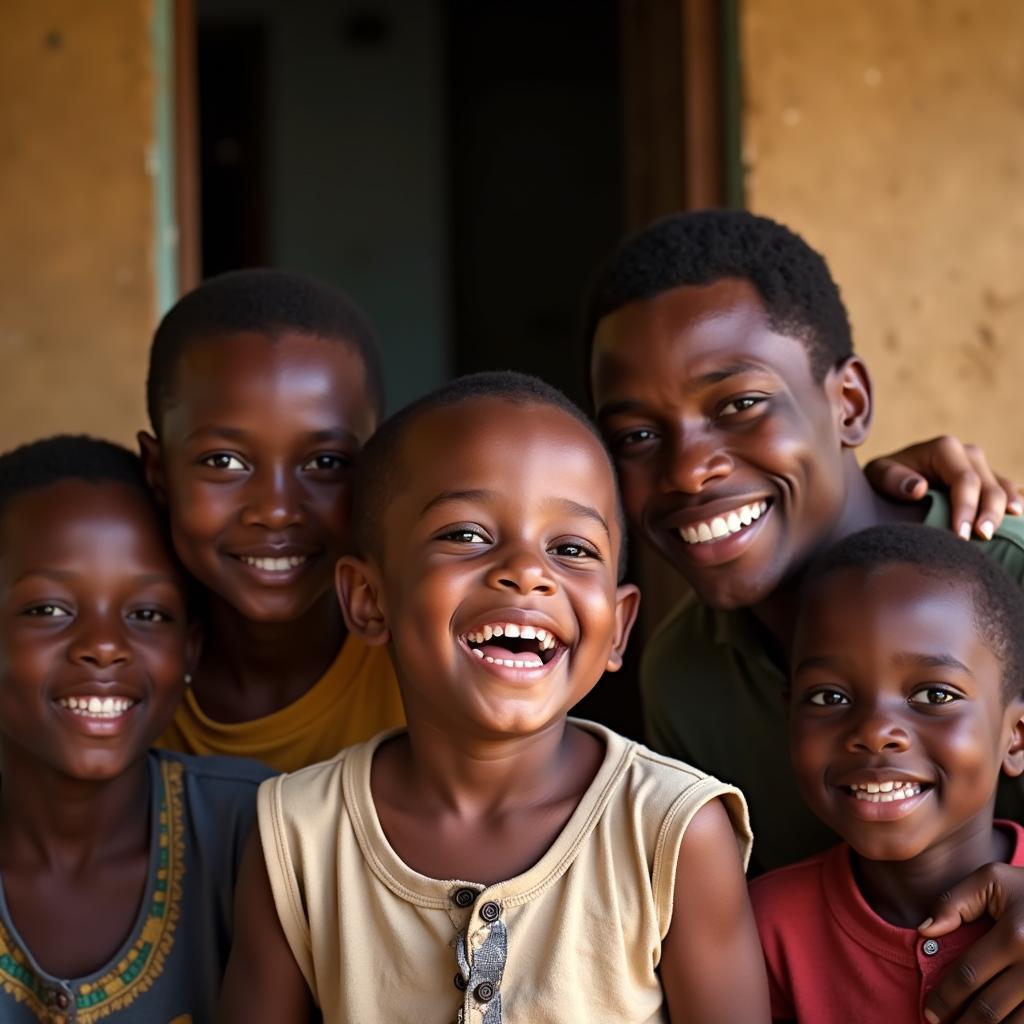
<point>978,496</point>
<point>712,969</point>
<point>262,982</point>
<point>987,982</point>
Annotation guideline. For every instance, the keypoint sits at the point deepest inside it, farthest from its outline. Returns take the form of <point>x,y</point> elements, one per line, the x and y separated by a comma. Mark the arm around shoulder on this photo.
<point>262,982</point>
<point>712,969</point>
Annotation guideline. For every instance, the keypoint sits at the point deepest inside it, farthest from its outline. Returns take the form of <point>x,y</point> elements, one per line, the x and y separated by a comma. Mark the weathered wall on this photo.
<point>891,133</point>
<point>77,300</point>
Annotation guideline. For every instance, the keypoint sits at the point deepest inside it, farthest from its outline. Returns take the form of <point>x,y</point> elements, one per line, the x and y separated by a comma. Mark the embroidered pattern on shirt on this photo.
<point>483,975</point>
<point>140,967</point>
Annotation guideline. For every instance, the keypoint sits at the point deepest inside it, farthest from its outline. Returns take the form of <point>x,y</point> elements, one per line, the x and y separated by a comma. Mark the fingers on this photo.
<point>895,479</point>
<point>1014,504</point>
<point>983,892</point>
<point>1001,1000</point>
<point>994,495</point>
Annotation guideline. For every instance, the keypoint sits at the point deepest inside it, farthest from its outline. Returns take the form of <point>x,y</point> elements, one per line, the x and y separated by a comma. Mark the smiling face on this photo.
<point>93,640</point>
<point>730,454</point>
<point>497,579</point>
<point>255,461</point>
<point>899,726</point>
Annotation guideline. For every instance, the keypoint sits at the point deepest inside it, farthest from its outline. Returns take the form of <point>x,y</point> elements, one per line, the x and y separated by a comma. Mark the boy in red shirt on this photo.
<point>907,704</point>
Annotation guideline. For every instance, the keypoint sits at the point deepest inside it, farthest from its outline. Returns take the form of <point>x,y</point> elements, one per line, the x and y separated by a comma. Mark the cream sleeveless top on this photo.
<point>577,937</point>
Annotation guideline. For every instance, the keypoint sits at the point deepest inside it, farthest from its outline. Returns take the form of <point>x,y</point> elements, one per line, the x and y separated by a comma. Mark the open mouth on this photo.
<point>886,792</point>
<point>97,707</point>
<point>718,527</point>
<point>513,645</point>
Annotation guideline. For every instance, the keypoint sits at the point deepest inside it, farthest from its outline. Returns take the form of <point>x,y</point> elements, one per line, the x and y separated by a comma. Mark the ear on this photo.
<point>357,583</point>
<point>1013,759</point>
<point>849,384</point>
<point>627,604</point>
<point>153,465</point>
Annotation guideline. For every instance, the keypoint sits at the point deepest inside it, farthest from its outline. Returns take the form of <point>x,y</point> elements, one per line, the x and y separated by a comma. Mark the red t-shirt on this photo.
<point>832,960</point>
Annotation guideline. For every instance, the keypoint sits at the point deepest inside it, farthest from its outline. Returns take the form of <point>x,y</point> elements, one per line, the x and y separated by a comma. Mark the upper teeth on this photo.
<point>722,526</point>
<point>885,792</point>
<point>511,629</point>
<point>274,564</point>
<point>104,707</point>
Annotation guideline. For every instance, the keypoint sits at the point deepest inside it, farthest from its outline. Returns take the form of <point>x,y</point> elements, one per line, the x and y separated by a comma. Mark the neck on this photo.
<point>272,663</point>
<point>480,776</point>
<point>862,507</point>
<point>903,892</point>
<point>49,818</point>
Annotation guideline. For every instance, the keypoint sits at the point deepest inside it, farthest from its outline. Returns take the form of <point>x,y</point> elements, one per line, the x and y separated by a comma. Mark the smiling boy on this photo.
<point>907,705</point>
<point>494,861</point>
<point>117,863</point>
<point>263,387</point>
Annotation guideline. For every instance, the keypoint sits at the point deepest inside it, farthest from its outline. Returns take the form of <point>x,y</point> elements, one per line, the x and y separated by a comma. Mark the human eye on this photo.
<point>463,535</point>
<point>223,461</point>
<point>827,698</point>
<point>327,462</point>
<point>739,405</point>
<point>47,611</point>
<point>574,549</point>
<point>633,437</point>
<point>934,695</point>
<point>149,615</point>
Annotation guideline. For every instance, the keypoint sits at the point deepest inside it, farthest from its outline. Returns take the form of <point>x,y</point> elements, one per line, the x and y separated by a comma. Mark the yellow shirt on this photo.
<point>356,698</point>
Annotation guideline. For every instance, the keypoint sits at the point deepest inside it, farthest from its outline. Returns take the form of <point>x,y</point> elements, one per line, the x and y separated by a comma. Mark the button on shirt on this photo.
<point>832,960</point>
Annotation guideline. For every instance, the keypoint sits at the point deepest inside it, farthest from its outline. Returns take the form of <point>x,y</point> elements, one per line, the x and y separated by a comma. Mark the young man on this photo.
<point>494,861</point>
<point>725,383</point>
<point>906,708</point>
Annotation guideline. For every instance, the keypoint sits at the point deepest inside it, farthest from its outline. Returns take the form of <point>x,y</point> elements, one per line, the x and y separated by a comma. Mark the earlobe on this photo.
<point>358,586</point>
<point>152,464</point>
<point>1013,761</point>
<point>627,604</point>
<point>853,387</point>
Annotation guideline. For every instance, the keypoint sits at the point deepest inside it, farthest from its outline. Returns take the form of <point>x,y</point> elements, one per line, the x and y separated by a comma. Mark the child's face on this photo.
<point>94,631</point>
<point>505,524</point>
<point>727,449</point>
<point>255,462</point>
<point>894,688</point>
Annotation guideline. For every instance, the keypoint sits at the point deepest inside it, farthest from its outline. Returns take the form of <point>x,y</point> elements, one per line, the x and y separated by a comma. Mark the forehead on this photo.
<point>520,450</point>
<point>887,610</point>
<point>104,526</point>
<point>253,378</point>
<point>688,332</point>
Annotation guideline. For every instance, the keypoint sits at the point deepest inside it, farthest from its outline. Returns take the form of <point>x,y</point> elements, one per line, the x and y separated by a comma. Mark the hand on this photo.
<point>986,984</point>
<point>978,496</point>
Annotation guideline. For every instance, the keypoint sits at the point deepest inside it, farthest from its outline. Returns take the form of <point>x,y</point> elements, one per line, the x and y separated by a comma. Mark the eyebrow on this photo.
<point>906,660</point>
<point>573,508</point>
<point>63,576</point>
<point>704,380</point>
<point>237,434</point>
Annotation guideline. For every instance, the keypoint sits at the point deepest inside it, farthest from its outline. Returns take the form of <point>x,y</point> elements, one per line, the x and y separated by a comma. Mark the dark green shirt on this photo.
<point>714,696</point>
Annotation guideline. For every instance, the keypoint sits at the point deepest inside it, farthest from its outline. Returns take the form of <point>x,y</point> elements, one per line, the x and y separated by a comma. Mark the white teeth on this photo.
<point>477,652</point>
<point>527,633</point>
<point>546,641</point>
<point>497,631</point>
<point>274,564</point>
<point>488,633</point>
<point>723,526</point>
<point>885,792</point>
<point>97,707</point>
<point>512,630</point>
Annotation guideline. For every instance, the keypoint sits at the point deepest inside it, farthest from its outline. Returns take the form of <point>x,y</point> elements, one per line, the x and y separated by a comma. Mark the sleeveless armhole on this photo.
<point>284,883</point>
<point>673,828</point>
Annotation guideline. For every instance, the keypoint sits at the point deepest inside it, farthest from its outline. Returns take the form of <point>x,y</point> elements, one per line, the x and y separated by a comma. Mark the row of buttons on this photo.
<point>484,992</point>
<point>490,911</point>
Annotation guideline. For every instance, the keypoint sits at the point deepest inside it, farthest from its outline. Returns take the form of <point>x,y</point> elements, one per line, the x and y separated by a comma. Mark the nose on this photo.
<point>524,573</point>
<point>876,731</point>
<point>694,460</point>
<point>100,641</point>
<point>273,499</point>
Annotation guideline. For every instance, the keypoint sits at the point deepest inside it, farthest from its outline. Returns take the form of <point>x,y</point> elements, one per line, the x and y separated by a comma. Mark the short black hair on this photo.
<point>266,301</point>
<point>800,296</point>
<point>997,598</point>
<point>376,475</point>
<point>69,457</point>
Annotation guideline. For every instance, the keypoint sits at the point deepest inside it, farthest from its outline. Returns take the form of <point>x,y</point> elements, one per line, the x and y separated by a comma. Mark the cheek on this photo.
<point>636,484</point>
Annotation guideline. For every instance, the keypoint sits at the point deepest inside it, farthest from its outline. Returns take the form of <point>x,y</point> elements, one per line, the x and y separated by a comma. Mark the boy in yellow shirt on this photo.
<point>263,387</point>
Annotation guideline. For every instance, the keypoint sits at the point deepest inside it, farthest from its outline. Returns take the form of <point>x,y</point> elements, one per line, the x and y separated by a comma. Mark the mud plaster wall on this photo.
<point>76,216</point>
<point>891,134</point>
